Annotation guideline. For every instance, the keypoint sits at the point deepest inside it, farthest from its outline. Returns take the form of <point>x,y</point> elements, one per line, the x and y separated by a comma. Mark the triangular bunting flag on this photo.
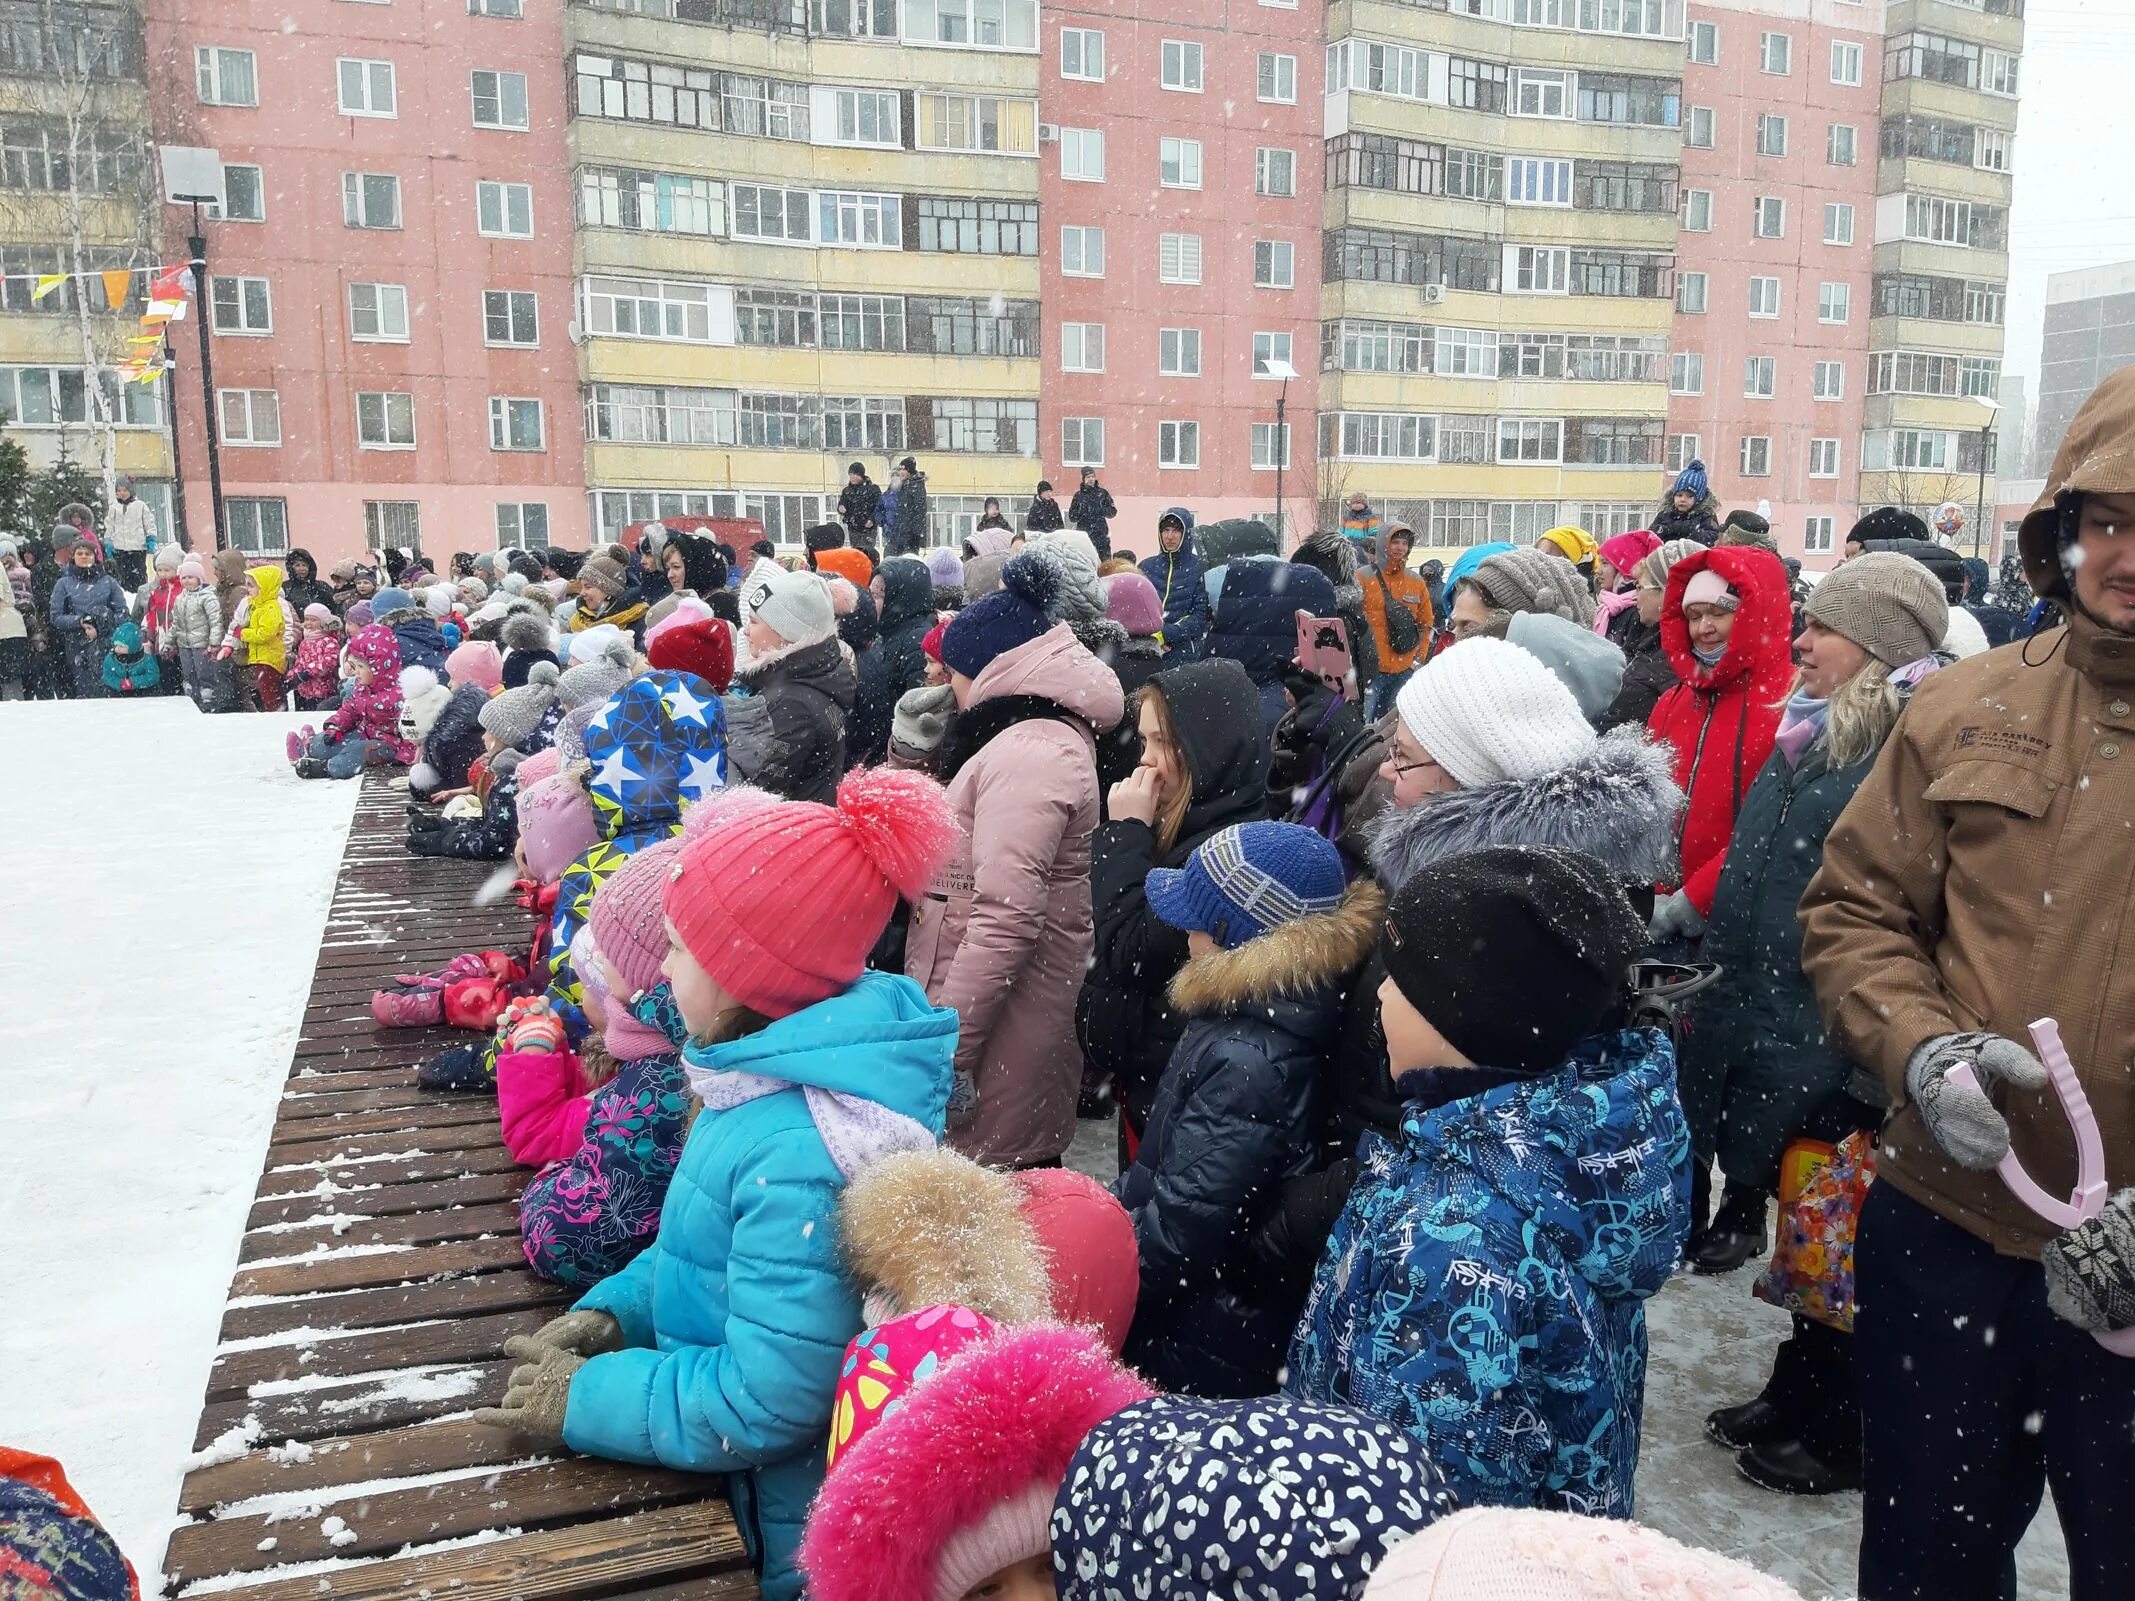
<point>118,286</point>
<point>46,283</point>
<point>172,283</point>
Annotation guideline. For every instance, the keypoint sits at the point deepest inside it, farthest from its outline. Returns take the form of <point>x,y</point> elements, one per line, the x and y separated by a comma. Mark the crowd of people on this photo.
<point>1432,940</point>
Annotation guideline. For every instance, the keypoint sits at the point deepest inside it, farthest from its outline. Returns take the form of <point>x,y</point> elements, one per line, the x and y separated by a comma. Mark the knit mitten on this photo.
<point>538,1393</point>
<point>922,717</point>
<point>1964,1121</point>
<point>2090,1270</point>
<point>581,1333</point>
<point>528,1024</point>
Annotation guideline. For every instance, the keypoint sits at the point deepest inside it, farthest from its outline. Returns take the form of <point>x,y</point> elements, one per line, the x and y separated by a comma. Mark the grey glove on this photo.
<point>2090,1270</point>
<point>1964,1122</point>
<point>1675,918</point>
<point>538,1393</point>
<point>963,1099</point>
<point>585,1333</point>
<point>922,717</point>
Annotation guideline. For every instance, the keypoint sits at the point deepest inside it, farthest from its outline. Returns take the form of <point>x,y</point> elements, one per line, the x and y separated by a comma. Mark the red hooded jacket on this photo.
<point>1720,720</point>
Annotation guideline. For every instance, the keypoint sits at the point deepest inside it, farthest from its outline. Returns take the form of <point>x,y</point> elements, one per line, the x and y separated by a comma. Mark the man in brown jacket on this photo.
<point>1984,876</point>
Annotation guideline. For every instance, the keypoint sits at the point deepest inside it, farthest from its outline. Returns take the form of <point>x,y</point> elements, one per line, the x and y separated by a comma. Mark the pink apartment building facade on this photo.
<point>1179,194</point>
<point>390,287</point>
<point>1768,372</point>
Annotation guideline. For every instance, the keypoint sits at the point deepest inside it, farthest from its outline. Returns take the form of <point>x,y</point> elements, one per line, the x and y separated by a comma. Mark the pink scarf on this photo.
<point>1611,604</point>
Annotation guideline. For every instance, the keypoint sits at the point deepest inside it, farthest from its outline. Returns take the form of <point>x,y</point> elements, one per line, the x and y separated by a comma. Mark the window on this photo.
<point>1698,131</point>
<point>1465,352</point>
<point>1269,349</point>
<point>495,8</point>
<point>648,308</point>
<point>1705,44</point>
<point>370,200</point>
<point>988,24</point>
<point>1834,302</point>
<point>515,424</point>
<point>1965,223</point>
<point>1683,449</point>
<point>765,107</point>
<point>1474,175</point>
<point>1276,80</point>
<point>244,195</point>
<point>1456,523</point>
<point>378,313</point>
<point>1082,347</point>
<point>1997,73</point>
<point>869,117</point>
<point>651,91</point>
<point>1818,533</point>
<point>651,202</point>
<point>1178,444</point>
<point>1686,373</point>
<point>977,227</point>
<point>841,19</point>
<point>1537,270</point>
<point>240,306</point>
<point>867,322</point>
<point>1271,446</point>
<point>1179,163</point>
<point>1178,352</point>
<point>1537,93</point>
<point>1845,63</point>
<point>1082,252</point>
<point>1777,54</point>
<point>1082,441</point>
<point>1697,211</point>
<point>55,156</point>
<point>1764,297</point>
<point>1992,151</point>
<point>522,524</point>
<point>499,100</point>
<point>1771,135</point>
<point>1621,97</point>
<point>1823,458</point>
<point>1181,65</point>
<point>1756,456</point>
<point>1532,181</point>
<point>250,416</point>
<point>862,221</point>
<point>780,216</point>
<point>1274,264</point>
<point>366,87</point>
<point>1082,155</point>
<point>1477,85</point>
<point>1530,439</point>
<point>1378,435</point>
<point>1760,377</point>
<point>1179,258</point>
<point>259,524</point>
<point>1771,217</point>
<point>1466,441</point>
<point>1274,172</point>
<point>949,122</point>
<point>390,523</point>
<point>1838,224</point>
<point>385,419</point>
<point>1841,144</point>
<point>1082,54</point>
<point>509,317</point>
<point>1690,292</point>
<point>504,210</point>
<point>225,77</point>
<point>1624,186</point>
<point>1983,302</point>
<point>1612,442</point>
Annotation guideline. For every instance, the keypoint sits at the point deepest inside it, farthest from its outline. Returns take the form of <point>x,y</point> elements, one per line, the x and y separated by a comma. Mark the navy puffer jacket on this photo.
<point>1178,578</point>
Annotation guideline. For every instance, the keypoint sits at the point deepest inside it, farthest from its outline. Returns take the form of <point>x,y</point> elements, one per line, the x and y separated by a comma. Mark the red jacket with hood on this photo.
<point>1720,720</point>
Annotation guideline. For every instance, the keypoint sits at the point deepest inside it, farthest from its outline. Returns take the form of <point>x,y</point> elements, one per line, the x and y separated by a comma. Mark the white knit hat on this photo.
<point>1504,1554</point>
<point>1487,711</point>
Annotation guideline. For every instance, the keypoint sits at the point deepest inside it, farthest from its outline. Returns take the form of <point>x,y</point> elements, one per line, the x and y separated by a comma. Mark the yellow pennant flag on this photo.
<point>146,339</point>
<point>149,375</point>
<point>118,285</point>
<point>46,283</point>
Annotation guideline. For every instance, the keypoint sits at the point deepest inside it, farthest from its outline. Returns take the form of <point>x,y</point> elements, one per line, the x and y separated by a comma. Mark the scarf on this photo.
<point>854,1130</point>
<point>262,632</point>
<point>1610,604</point>
<point>1801,725</point>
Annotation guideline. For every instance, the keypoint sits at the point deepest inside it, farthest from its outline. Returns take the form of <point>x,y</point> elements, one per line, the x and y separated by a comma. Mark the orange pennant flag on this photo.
<point>118,285</point>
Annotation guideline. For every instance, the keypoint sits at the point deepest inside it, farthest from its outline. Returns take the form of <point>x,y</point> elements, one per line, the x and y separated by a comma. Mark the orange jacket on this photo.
<point>1413,593</point>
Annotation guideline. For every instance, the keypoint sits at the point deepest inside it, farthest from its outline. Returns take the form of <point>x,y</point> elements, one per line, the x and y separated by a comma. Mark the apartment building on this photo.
<point>807,236</point>
<point>1181,196</point>
<point>2089,334</point>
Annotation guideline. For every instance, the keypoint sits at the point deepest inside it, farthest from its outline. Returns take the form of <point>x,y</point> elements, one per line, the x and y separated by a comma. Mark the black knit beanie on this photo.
<point>1514,954</point>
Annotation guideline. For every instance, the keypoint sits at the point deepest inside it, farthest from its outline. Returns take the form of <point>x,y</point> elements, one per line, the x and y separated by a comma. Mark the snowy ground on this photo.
<point>166,879</point>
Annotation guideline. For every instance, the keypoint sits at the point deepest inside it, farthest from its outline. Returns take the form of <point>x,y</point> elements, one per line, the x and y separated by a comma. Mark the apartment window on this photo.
<point>1082,54</point>
<point>977,227</point>
<point>1082,347</point>
<point>250,416</point>
<point>685,97</point>
<point>259,524</point>
<point>1530,439</point>
<point>1477,85</point>
<point>1464,352</point>
<point>1457,523</point>
<point>1178,444</point>
<point>1698,130</point>
<point>1271,446</point>
<point>1760,380</point>
<point>1532,181</point>
<point>1771,135</point>
<point>1705,44</point>
<point>1466,441</point>
<point>366,87</point>
<point>1819,533</point>
<point>1838,224</point>
<point>1834,302</point>
<point>1992,151</point>
<point>1764,297</point>
<point>240,306</point>
<point>1756,456</point>
<point>989,24</point>
<point>1274,172</point>
<point>1690,292</point>
<point>1082,155</point>
<point>651,202</point>
<point>1964,223</point>
<point>1474,175</point>
<point>979,425</point>
<point>955,122</point>
<point>1181,65</point>
<point>1538,270</point>
<point>1269,349</point>
<point>1841,144</point>
<point>643,308</point>
<point>510,9</point>
<point>1082,441</point>
<point>385,419</point>
<point>1178,258</point>
<point>515,424</point>
<point>1683,449</point>
<point>1276,80</point>
<point>1983,302</point>
<point>1697,211</point>
<point>522,525</point>
<point>1179,163</point>
<point>1082,252</point>
<point>1686,373</point>
<point>1845,63</point>
<point>504,210</point>
<point>1997,73</point>
<point>861,221</point>
<point>392,523</point>
<point>783,216</point>
<point>244,195</point>
<point>1274,264</point>
<point>499,99</point>
<point>224,77</point>
<point>866,322</point>
<point>378,313</point>
<point>1771,217</point>
<point>845,19</point>
<point>1178,352</point>
<point>510,317</point>
<point>1536,93</point>
<point>1829,381</point>
<point>764,107</point>
<point>370,200</point>
<point>1776,55</point>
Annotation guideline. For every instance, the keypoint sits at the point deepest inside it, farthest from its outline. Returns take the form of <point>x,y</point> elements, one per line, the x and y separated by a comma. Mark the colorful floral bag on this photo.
<point>1811,1271</point>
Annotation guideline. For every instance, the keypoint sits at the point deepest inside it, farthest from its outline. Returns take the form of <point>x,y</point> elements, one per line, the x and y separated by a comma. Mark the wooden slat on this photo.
<point>453,1340</point>
<point>412,1228</point>
<point>434,1111</point>
<point>392,1199</point>
<point>352,1459</point>
<point>410,1303</point>
<point>380,1402</point>
<point>301,1178</point>
<point>379,1269</point>
<point>319,1146</point>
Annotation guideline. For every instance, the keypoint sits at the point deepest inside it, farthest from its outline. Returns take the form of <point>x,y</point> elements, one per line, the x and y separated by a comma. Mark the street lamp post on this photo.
<point>1986,433</point>
<point>1277,368</point>
<point>192,175</point>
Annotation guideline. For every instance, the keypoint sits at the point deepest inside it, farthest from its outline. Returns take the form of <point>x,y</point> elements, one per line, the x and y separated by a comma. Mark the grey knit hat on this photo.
<point>571,732</point>
<point>1533,580</point>
<point>795,606</point>
<point>513,715</point>
<point>1653,571</point>
<point>591,682</point>
<point>1888,604</point>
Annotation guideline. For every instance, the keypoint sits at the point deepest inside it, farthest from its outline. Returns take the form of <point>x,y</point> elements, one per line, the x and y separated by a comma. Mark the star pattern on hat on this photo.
<point>685,707</point>
<point>706,774</point>
<point>655,745</point>
<point>615,772</point>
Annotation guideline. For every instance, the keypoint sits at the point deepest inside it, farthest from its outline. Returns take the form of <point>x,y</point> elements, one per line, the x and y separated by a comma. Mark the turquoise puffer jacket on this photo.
<point>738,1315</point>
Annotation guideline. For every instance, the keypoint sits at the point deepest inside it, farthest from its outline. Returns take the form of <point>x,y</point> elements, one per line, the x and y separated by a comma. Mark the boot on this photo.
<point>312,767</point>
<point>458,1071</point>
<point>1785,1466</point>
<point>1755,1422</point>
<point>1736,1235</point>
<point>1700,1205</point>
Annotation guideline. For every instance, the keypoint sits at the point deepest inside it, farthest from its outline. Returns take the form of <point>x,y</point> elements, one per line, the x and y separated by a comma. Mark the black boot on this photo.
<point>312,767</point>
<point>1787,1467</point>
<point>1700,1205</point>
<point>1752,1423</point>
<point>1736,1235</point>
<point>458,1071</point>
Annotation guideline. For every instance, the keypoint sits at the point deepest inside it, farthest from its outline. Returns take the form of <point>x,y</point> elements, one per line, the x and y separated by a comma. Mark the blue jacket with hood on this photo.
<point>736,1318</point>
<point>1177,576</point>
<point>1485,1285</point>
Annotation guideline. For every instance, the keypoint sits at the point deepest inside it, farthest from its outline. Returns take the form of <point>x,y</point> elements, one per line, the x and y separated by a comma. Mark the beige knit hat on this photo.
<point>1653,571</point>
<point>1500,1554</point>
<point>1532,580</point>
<point>1889,605</point>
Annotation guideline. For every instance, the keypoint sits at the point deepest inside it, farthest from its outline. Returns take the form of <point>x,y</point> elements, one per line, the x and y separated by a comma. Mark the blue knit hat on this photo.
<point>1691,481</point>
<point>391,599</point>
<point>1247,879</point>
<point>1015,614</point>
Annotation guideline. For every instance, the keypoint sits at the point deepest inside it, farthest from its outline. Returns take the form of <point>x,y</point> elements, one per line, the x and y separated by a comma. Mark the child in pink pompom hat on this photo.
<point>477,662</point>
<point>1516,1554</point>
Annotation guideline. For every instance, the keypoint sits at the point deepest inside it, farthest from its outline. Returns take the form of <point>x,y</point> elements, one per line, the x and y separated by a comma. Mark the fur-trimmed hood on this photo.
<point>934,1228</point>
<point>1287,963</point>
<point>1618,803</point>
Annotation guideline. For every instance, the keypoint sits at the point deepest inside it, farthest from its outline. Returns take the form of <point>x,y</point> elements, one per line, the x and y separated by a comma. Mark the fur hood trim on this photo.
<point>749,664</point>
<point>1286,963</point>
<point>1618,803</point>
<point>933,1228</point>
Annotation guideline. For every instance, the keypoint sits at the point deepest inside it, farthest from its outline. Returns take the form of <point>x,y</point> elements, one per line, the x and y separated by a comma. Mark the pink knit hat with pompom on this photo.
<point>556,826</point>
<point>626,919</point>
<point>1503,1554</point>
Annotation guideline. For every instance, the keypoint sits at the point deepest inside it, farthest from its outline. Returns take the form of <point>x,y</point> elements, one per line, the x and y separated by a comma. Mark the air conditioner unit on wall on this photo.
<point>1048,133</point>
<point>1434,294</point>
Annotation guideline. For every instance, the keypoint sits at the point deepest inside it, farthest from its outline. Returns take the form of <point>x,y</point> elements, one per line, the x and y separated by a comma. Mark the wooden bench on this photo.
<point>378,1279</point>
